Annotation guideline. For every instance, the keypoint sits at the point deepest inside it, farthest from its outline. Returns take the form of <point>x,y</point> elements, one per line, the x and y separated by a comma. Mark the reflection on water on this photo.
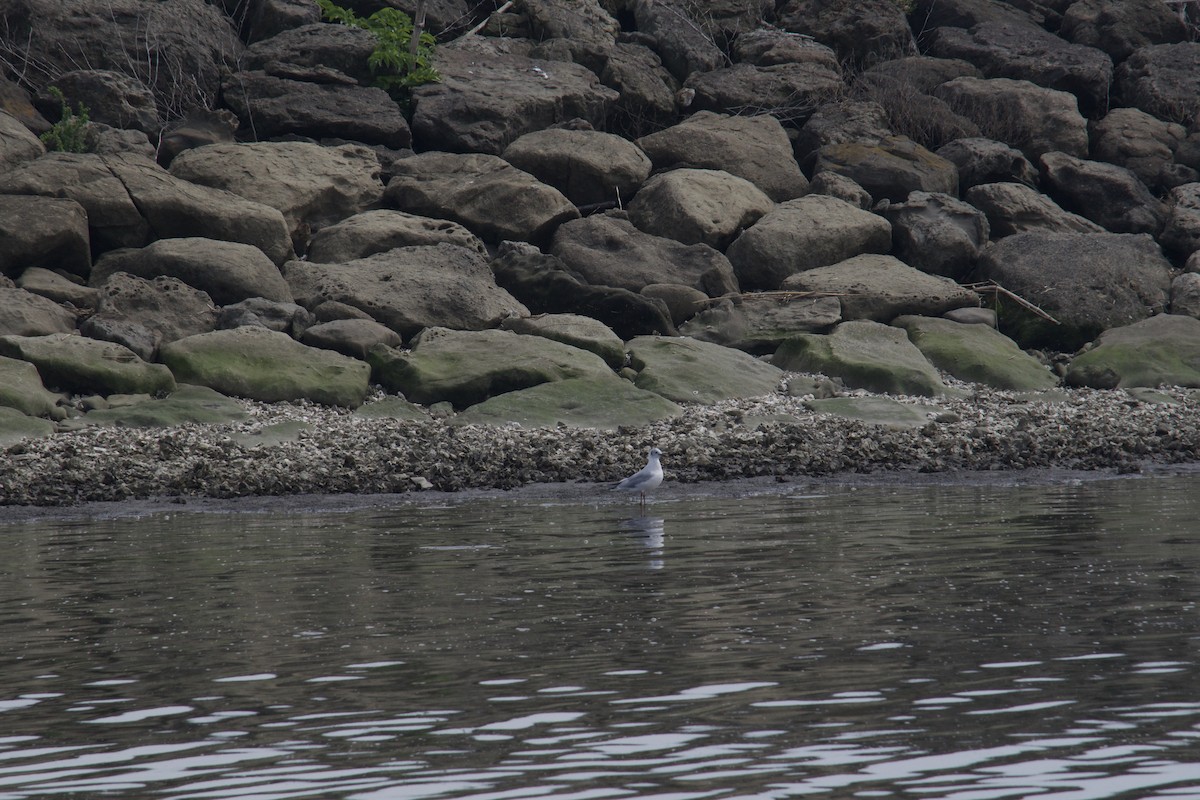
<point>967,643</point>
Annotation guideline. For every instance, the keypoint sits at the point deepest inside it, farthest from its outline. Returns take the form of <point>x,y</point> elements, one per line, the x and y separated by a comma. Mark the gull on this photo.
<point>646,479</point>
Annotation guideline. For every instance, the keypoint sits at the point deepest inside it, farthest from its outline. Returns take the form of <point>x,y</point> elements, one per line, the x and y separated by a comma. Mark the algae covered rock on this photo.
<point>576,402</point>
<point>865,355</point>
<point>576,330</point>
<point>1160,351</point>
<point>74,364</point>
<point>976,353</point>
<point>267,365</point>
<point>876,410</point>
<point>187,404</point>
<point>15,426</point>
<point>690,371</point>
<point>21,388</point>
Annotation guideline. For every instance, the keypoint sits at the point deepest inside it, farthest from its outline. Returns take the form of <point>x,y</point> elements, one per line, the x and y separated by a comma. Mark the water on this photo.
<point>963,642</point>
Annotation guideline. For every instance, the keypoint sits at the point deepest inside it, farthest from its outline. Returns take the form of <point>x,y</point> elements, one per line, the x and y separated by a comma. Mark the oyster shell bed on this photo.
<point>772,435</point>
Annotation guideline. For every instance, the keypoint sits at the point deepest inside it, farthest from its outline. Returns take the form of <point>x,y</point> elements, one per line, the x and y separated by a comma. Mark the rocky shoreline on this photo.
<point>306,449</point>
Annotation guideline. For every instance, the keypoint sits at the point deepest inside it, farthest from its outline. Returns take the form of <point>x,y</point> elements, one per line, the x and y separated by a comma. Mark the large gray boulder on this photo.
<point>486,194</point>
<point>351,337</point>
<point>409,288</point>
<point>269,366</point>
<point>677,37</point>
<point>1181,235</point>
<point>315,46</point>
<point>574,402</point>
<point>1163,350</point>
<point>647,89</point>
<point>21,388</point>
<point>188,404</point>
<point>143,314</point>
<point>467,367</point>
<point>573,329</point>
<point>71,363</point>
<point>227,271</point>
<point>1015,208</point>
<point>860,32</point>
<point>16,427</point>
<point>864,355</point>
<point>982,161</point>
<point>759,322</point>
<point>487,98</point>
<point>588,167</point>
<point>1161,79</point>
<point>1140,142</point>
<point>690,371</point>
<point>807,232</point>
<point>1109,195</point>
<point>889,168</point>
<point>17,143</point>
<point>112,98</point>
<point>788,92</point>
<point>698,206</point>
<point>976,353</point>
<point>24,313</point>
<point>1119,27</point>
<point>382,229</point>
<point>607,250</point>
<point>311,185</point>
<point>1029,117</point>
<point>49,232</point>
<point>937,233</point>
<point>755,148</point>
<point>1059,273</point>
<point>881,288</point>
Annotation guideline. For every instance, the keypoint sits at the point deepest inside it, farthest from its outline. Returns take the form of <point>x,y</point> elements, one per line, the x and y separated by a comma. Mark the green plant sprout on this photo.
<point>396,66</point>
<point>69,134</point>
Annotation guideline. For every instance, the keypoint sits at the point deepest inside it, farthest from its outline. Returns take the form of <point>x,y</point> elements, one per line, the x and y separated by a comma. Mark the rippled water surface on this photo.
<point>918,642</point>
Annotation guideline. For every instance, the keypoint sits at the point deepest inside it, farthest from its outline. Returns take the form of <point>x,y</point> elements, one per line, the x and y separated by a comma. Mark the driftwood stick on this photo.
<point>778,295</point>
<point>481,25</point>
<point>997,289</point>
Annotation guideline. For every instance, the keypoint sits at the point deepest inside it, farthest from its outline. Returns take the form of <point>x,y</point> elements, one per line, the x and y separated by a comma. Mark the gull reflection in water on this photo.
<point>650,532</point>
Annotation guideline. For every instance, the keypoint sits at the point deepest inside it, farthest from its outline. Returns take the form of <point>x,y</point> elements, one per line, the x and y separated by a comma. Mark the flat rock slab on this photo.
<point>690,371</point>
<point>74,364</point>
<point>876,410</point>
<point>865,355</point>
<point>890,168</point>
<point>468,367</point>
<point>391,408</point>
<point>586,166</point>
<point>1160,351</point>
<point>382,229</point>
<point>21,388</point>
<point>15,426</point>
<point>575,402</point>
<point>187,404</point>
<point>273,435</point>
<point>573,329</point>
<point>759,323</point>
<point>976,353</point>
<point>269,366</point>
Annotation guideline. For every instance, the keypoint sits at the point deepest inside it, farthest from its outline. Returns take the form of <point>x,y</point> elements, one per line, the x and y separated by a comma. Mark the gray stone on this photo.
<point>876,411</point>
<point>166,308</point>
<point>47,232</point>
<point>1185,295</point>
<point>1181,235</point>
<point>265,365</point>
<point>698,206</point>
<point>72,363</point>
<point>1163,350</point>
<point>1143,144</point>
<point>1163,80</point>
<point>937,233</point>
<point>788,92</point>
<point>982,161</point>
<point>1015,208</point>
<point>187,405</point>
<point>678,38</point>
<point>380,230</point>
<point>111,97</point>
<point>573,329</point>
<point>575,402</point>
<point>860,32</point>
<point>343,48</point>
<point>682,302</point>
<point>273,315</point>
<point>881,288</point>
<point>889,168</point>
<point>57,287</point>
<point>864,355</point>
<point>1029,117</point>
<point>766,46</point>
<point>647,90</point>
<point>1119,27</point>
<point>690,371</point>
<point>588,167</point>
<point>21,388</point>
<point>23,313</point>
<point>1109,195</point>
<point>976,353</point>
<point>16,427</point>
<point>391,408</point>
<point>758,323</point>
<point>17,144</point>
<point>351,337</point>
<point>838,122</point>
<point>804,233</point>
<point>841,187</point>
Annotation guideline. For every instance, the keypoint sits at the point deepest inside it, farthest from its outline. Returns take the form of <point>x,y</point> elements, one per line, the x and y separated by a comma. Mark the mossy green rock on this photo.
<point>576,402</point>
<point>976,353</point>
<point>87,366</point>
<point>467,367</point>
<point>267,365</point>
<point>690,371</point>
<point>15,426</point>
<point>876,410</point>
<point>187,404</point>
<point>1159,351</point>
<point>21,388</point>
<point>391,408</point>
<point>865,355</point>
<point>573,329</point>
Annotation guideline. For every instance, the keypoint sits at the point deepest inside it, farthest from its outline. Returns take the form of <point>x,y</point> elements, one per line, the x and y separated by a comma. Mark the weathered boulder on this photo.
<point>49,232</point>
<point>21,388</point>
<point>316,45</point>
<point>976,353</point>
<point>143,314</point>
<point>17,142</point>
<point>839,122</point>
<point>987,161</point>
<point>1025,52</point>
<point>1119,27</point>
<point>859,31</point>
<point>467,367</point>
<point>57,287</point>
<point>788,92</point>
<point>647,90</point>
<point>969,13</point>
<point>937,233</point>
<point>227,271</point>
<point>678,38</point>
<point>1015,208</point>
<point>24,313</point>
<point>278,106</point>
<point>864,355</point>
<point>923,72</point>
<point>71,363</point>
<point>876,411</point>
<point>265,365</point>
<point>111,97</point>
<point>574,402</point>
<point>1137,141</point>
<point>311,185</point>
<point>409,288</point>
<point>578,331</point>
<point>351,337</point>
<point>682,301</point>
<point>1163,350</point>
<point>487,98</point>
<point>1109,195</point>
<point>758,323</point>
<point>807,232</point>
<point>545,284</point>
<point>1019,113</point>
<point>607,250</point>
<point>587,166</point>
<point>766,46</point>
<point>1185,295</point>
<point>690,371</point>
<point>889,168</point>
<point>1181,235</point>
<point>1163,80</point>
<point>382,229</point>
<point>841,187</point>
<point>698,206</point>
<point>188,404</point>
<point>485,193</point>
<point>881,288</point>
<point>755,148</point>
<point>1088,282</point>
<point>16,426</point>
<point>582,20</point>
<point>273,315</point>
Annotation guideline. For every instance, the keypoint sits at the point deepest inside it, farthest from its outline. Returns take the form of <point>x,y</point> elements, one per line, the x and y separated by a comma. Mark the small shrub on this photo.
<point>396,69</point>
<point>69,134</point>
